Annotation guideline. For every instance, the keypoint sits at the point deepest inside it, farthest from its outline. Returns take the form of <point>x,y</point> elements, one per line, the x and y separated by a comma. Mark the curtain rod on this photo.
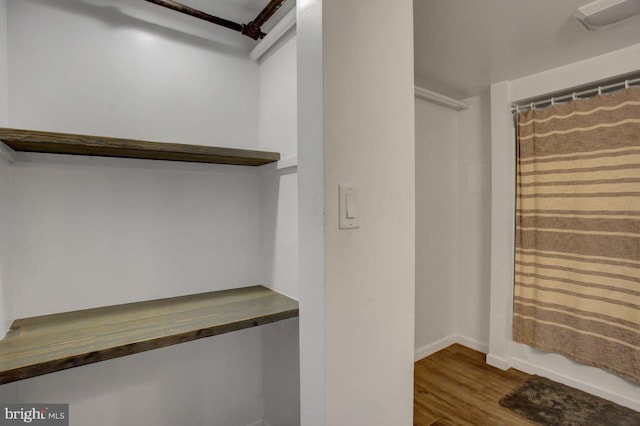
<point>517,107</point>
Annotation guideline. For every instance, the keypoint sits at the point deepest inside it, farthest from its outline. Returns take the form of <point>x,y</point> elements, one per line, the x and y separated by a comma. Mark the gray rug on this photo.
<point>550,403</point>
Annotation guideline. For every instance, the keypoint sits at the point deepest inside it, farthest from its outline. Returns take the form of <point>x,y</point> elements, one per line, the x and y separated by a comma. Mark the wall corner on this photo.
<point>502,210</point>
<point>4,72</point>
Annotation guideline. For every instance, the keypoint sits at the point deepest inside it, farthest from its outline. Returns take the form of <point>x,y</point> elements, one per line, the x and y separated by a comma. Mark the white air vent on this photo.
<point>603,13</point>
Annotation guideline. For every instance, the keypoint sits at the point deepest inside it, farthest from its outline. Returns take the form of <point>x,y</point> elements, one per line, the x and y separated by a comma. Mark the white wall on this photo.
<point>90,232</point>
<point>89,69</point>
<point>436,225</point>
<point>356,124</point>
<point>279,228</point>
<point>281,373</point>
<point>5,229</point>
<point>4,98</point>
<point>309,21</point>
<point>453,226</point>
<point>278,100</point>
<point>474,223</point>
<point>5,194</point>
<point>369,272</point>
<point>279,186</point>
<point>204,382</point>
<point>6,393</point>
<point>77,67</point>
<point>4,170</point>
<point>503,352</point>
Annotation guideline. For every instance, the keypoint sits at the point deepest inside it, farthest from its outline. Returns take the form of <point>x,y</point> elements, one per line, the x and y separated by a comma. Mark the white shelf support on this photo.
<point>7,153</point>
<point>288,162</point>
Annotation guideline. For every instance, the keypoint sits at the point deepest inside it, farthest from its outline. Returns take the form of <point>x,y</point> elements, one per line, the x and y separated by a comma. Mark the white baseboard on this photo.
<point>531,368</point>
<point>473,344</point>
<point>498,362</point>
<point>434,347</point>
<point>438,345</point>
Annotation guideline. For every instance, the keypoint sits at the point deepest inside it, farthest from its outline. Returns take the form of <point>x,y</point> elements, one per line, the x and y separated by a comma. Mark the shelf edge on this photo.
<point>259,305</point>
<point>76,144</point>
<point>87,358</point>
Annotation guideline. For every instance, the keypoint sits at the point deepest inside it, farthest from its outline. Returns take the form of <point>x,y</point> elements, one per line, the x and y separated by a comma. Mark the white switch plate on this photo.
<point>349,217</point>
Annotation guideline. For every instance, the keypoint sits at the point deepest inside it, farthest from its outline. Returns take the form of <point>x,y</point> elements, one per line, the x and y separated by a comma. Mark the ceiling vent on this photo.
<point>603,13</point>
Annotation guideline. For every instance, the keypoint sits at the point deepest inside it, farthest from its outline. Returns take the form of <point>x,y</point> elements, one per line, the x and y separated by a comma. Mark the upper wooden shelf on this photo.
<point>45,344</point>
<point>66,143</point>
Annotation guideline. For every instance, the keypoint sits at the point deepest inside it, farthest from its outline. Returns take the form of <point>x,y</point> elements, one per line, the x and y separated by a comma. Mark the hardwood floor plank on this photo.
<point>455,386</point>
<point>443,421</point>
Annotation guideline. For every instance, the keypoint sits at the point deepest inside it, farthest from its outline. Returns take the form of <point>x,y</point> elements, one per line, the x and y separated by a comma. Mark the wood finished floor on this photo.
<point>456,387</point>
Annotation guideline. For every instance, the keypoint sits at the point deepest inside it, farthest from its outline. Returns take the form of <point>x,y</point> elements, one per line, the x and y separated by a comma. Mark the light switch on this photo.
<point>348,206</point>
<point>351,207</point>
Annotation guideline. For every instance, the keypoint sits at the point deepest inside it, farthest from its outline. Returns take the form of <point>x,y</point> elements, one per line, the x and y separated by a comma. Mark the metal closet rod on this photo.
<point>515,107</point>
<point>179,7</point>
<point>252,29</point>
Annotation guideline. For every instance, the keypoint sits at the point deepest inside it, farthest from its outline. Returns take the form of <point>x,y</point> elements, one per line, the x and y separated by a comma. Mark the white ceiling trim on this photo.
<point>442,100</point>
<point>276,33</point>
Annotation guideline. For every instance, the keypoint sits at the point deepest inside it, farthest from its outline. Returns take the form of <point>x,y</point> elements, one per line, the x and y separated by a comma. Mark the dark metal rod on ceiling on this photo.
<point>178,7</point>
<point>268,12</point>
<point>252,29</point>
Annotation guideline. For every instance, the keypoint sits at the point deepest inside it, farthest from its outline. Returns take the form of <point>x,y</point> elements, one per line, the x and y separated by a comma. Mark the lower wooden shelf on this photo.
<point>45,344</point>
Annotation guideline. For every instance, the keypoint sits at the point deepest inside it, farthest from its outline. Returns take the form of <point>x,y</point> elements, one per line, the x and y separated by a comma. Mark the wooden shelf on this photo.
<point>45,344</point>
<point>66,143</point>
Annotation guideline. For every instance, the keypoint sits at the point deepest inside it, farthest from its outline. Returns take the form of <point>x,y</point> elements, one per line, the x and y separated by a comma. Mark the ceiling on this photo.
<point>462,46</point>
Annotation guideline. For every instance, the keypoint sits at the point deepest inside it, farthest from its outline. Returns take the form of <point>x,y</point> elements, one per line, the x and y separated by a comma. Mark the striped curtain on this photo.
<point>577,260</point>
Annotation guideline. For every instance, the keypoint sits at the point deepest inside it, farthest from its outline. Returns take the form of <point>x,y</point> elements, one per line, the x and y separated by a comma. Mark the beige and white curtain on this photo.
<point>577,260</point>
